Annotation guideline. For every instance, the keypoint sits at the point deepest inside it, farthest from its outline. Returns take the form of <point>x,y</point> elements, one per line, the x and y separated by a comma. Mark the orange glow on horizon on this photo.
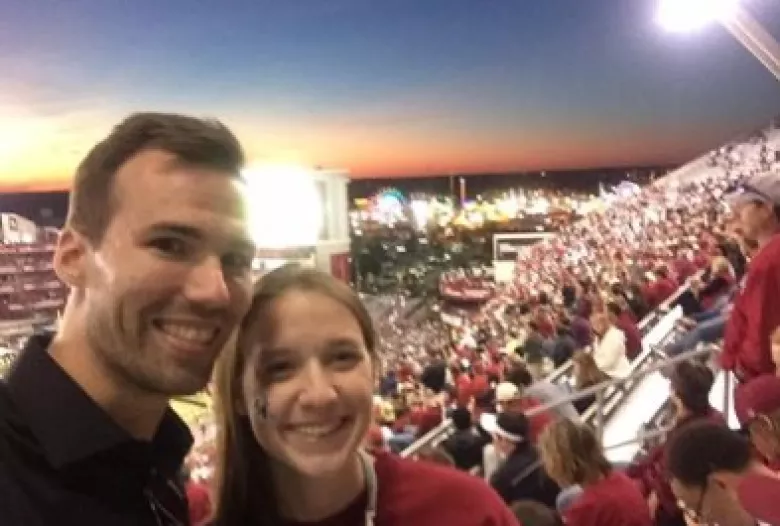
<point>39,153</point>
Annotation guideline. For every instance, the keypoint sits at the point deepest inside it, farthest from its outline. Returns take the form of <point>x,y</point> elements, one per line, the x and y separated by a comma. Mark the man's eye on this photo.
<point>238,262</point>
<point>170,246</point>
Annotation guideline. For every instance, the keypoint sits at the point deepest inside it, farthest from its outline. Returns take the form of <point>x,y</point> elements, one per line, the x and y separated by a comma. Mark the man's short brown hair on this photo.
<point>195,142</point>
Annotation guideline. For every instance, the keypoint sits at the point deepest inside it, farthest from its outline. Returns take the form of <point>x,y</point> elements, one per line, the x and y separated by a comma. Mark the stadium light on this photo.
<point>684,16</point>
<point>286,209</point>
<point>691,15</point>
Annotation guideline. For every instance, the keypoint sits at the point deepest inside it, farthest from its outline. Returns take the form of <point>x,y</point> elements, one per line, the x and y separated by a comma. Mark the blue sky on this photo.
<point>390,87</point>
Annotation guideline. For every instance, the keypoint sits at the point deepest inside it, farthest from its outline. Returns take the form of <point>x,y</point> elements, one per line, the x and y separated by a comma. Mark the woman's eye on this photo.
<point>278,370</point>
<point>346,359</point>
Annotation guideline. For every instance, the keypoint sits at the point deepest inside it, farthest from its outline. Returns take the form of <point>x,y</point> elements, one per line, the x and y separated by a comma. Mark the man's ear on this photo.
<point>70,258</point>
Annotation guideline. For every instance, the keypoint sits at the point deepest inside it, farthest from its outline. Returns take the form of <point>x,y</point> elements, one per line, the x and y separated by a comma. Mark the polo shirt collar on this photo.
<point>68,424</point>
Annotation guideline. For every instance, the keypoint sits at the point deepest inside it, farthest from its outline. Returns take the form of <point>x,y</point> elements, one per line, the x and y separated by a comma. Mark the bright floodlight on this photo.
<point>285,206</point>
<point>691,15</point>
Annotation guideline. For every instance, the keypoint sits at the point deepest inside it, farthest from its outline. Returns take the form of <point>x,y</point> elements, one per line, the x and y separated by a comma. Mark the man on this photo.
<point>717,480</point>
<point>756,312</point>
<point>465,444</point>
<point>622,320</point>
<point>510,399</point>
<point>157,255</point>
<point>521,475</point>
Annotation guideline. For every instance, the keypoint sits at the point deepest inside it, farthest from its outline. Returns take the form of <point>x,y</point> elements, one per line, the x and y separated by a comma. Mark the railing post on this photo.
<point>726,394</point>
<point>600,414</point>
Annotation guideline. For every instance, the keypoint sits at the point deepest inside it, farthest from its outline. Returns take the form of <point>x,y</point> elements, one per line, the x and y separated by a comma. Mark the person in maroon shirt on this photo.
<point>199,501</point>
<point>721,281</point>
<point>664,287</point>
<point>294,401</point>
<point>572,456</point>
<point>684,267</point>
<point>622,320</point>
<point>480,383</point>
<point>757,405</point>
<point>756,311</point>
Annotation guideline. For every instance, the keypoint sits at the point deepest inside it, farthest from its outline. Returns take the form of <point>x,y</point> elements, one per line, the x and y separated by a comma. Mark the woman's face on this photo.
<point>308,364</point>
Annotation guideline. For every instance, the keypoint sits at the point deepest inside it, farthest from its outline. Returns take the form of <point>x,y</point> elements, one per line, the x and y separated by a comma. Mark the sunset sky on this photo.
<point>378,87</point>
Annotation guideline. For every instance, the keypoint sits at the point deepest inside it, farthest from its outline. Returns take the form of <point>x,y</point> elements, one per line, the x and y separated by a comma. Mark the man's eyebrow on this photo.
<point>178,229</point>
<point>238,241</point>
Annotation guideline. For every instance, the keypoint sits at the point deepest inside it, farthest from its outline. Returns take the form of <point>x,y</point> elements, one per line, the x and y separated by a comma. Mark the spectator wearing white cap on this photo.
<point>510,399</point>
<point>521,476</point>
<point>756,313</point>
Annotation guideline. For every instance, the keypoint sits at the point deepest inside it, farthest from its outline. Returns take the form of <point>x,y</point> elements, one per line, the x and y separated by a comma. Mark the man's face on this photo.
<point>715,503</point>
<point>171,278</point>
<point>751,218</point>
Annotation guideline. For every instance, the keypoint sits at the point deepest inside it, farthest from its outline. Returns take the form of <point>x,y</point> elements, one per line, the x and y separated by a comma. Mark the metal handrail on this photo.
<point>596,390</point>
<point>614,382</point>
<point>560,372</point>
<point>565,368</point>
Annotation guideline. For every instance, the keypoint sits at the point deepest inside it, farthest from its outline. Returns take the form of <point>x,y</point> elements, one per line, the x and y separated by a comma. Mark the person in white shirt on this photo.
<point>609,347</point>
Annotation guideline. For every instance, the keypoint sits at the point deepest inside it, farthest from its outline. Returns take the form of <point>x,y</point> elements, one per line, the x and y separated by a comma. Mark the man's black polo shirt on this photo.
<point>64,461</point>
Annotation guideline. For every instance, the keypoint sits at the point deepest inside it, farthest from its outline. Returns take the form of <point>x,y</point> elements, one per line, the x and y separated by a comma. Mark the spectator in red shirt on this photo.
<point>664,287</point>
<point>757,405</point>
<point>756,310</point>
<point>425,415</point>
<point>572,456</point>
<point>463,387</point>
<point>199,502</point>
<point>720,283</point>
<point>622,320</point>
<point>684,267</point>
<point>480,382</point>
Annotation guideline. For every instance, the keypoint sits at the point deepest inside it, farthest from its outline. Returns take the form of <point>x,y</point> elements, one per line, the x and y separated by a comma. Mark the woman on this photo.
<point>720,282</point>
<point>586,374</point>
<point>572,455</point>
<point>294,401</point>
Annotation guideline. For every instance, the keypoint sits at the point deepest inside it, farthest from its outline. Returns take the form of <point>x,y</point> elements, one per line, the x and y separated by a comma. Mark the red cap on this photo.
<point>759,396</point>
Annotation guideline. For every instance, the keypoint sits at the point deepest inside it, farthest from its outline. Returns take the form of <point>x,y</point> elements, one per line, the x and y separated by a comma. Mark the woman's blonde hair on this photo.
<point>588,373</point>
<point>571,453</point>
<point>243,489</point>
<point>721,264</point>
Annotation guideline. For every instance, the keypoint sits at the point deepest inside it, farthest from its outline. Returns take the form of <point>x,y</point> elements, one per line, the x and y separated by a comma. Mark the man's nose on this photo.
<point>206,284</point>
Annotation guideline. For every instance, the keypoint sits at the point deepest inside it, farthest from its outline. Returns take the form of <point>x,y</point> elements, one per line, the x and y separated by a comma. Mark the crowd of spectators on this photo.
<point>581,297</point>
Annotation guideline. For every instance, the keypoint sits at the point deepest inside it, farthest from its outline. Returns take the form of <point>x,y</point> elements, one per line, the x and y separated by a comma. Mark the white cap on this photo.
<point>506,391</point>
